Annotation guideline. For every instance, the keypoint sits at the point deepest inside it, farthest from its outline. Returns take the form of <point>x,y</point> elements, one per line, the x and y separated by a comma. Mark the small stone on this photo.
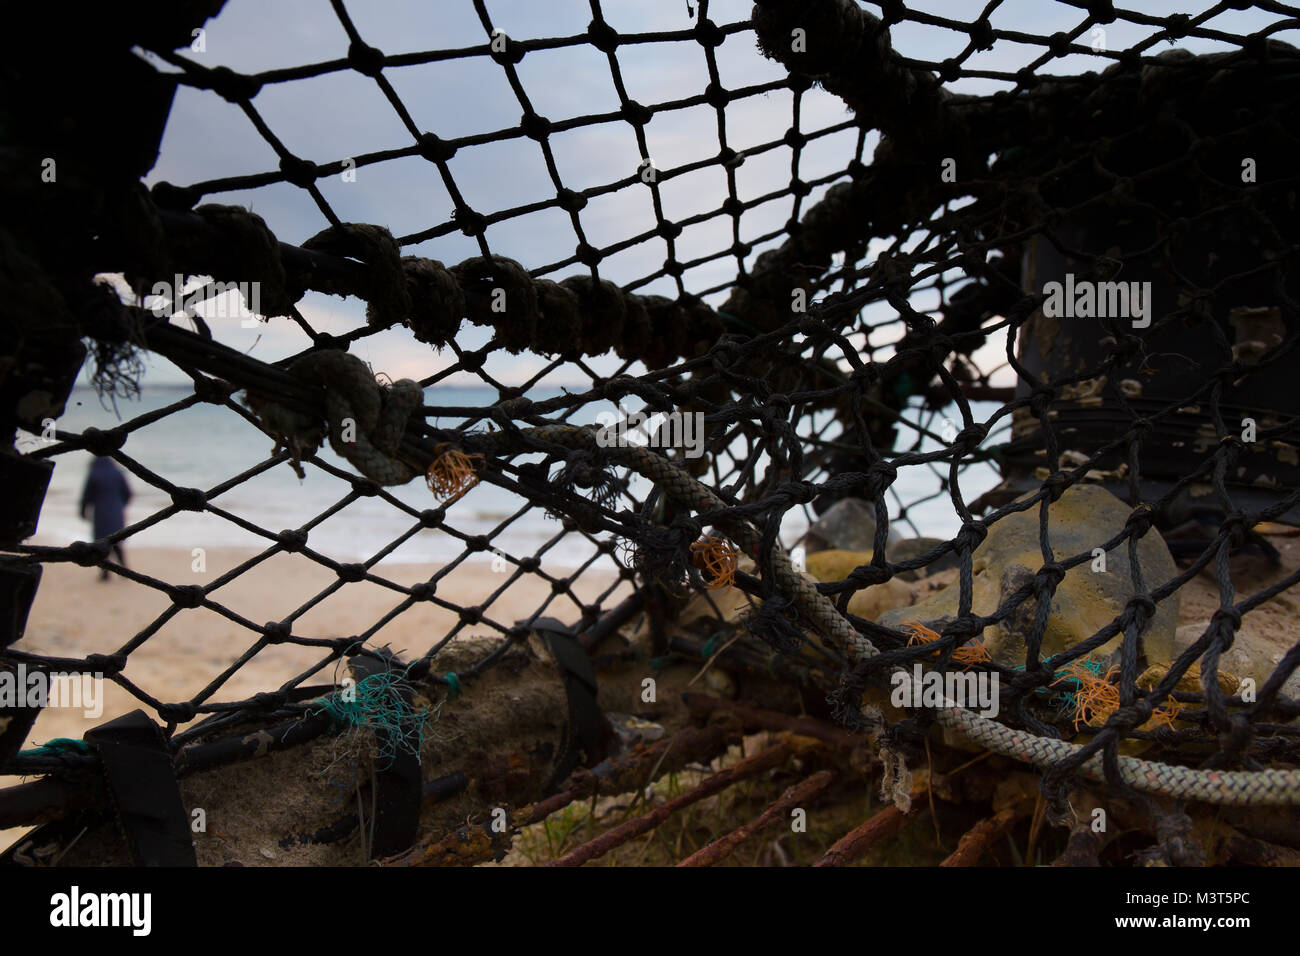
<point>267,853</point>
<point>1083,518</point>
<point>1254,653</point>
<point>849,525</point>
<point>870,602</point>
<point>873,602</point>
<point>905,549</point>
<point>835,564</point>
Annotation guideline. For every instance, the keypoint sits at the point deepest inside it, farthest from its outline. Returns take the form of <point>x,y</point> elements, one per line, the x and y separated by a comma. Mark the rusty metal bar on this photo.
<point>794,795</point>
<point>875,829</point>
<point>773,756</point>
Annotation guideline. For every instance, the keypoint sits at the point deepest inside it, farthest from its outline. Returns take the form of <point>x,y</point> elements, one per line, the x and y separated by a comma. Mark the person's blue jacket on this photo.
<point>107,493</point>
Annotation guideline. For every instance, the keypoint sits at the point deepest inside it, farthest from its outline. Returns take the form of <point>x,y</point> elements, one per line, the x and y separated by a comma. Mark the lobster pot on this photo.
<point>1195,298</point>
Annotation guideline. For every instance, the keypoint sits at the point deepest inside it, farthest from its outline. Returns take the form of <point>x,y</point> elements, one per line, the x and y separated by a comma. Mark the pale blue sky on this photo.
<point>331,117</point>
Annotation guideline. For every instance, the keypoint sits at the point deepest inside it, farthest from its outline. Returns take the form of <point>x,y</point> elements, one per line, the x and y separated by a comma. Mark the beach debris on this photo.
<point>1092,696</point>
<point>847,525</point>
<point>451,474</point>
<point>1276,529</point>
<point>1084,518</point>
<point>972,652</point>
<point>716,560</point>
<point>632,730</point>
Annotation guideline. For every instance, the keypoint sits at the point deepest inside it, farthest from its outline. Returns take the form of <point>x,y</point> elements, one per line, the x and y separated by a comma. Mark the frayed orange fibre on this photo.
<point>451,474</point>
<point>970,653</point>
<point>717,560</point>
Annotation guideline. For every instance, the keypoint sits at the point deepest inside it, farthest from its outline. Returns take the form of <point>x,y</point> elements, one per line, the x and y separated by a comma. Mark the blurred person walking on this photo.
<point>105,496</point>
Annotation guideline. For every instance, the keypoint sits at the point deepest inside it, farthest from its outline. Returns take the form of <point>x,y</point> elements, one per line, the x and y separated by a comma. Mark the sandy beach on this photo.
<point>75,614</point>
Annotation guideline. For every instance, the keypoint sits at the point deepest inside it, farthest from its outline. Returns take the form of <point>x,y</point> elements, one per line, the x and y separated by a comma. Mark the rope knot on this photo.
<point>388,301</point>
<point>1227,618</point>
<point>292,540</point>
<point>965,627</point>
<point>971,535</point>
<point>775,622</point>
<point>798,492</point>
<point>1039,399</point>
<point>187,595</point>
<point>880,475</point>
<point>1142,608</point>
<point>1134,715</point>
<point>88,553</point>
<point>177,713</point>
<point>1140,520</point>
<point>971,436</point>
<point>499,294</point>
<point>109,665</point>
<point>867,575</point>
<point>103,443</point>
<point>437,302</point>
<point>1056,484</point>
<point>663,552</point>
<point>1052,574</point>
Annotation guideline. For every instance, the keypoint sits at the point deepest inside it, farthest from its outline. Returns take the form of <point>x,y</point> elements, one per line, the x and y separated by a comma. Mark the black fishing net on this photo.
<point>1036,325</point>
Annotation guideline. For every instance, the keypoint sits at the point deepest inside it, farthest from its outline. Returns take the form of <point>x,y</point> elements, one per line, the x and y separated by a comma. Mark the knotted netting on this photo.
<point>1024,312</point>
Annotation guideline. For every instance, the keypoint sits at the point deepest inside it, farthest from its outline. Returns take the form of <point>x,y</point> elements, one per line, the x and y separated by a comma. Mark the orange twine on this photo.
<point>972,652</point>
<point>717,560</point>
<point>1096,698</point>
<point>451,474</point>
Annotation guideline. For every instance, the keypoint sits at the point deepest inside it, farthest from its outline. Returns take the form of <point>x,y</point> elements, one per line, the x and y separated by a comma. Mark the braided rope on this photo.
<point>1238,788</point>
<point>377,417</point>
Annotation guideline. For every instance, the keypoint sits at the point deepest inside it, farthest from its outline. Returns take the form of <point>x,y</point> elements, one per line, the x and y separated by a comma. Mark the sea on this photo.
<point>205,445</point>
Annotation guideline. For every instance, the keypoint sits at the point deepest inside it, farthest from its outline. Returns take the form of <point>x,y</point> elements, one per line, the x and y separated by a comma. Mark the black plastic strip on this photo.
<point>145,793</point>
<point>586,731</point>
<point>398,791</point>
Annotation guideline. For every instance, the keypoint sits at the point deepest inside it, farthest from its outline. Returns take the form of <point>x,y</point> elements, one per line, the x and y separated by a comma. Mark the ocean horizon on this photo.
<point>206,445</point>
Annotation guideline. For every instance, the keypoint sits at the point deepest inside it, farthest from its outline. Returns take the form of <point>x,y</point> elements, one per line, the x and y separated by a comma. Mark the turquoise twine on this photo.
<point>1064,699</point>
<point>57,748</point>
<point>379,703</point>
<point>709,646</point>
<point>453,684</point>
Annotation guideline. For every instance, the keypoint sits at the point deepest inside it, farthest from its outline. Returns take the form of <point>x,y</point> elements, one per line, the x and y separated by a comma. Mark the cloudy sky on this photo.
<point>337,115</point>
